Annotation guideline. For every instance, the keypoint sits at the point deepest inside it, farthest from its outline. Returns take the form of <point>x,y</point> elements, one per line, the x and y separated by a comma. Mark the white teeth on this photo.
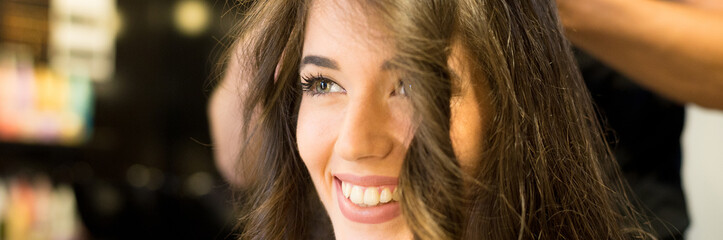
<point>357,195</point>
<point>371,196</point>
<point>395,195</point>
<point>385,196</point>
<point>346,189</point>
<point>368,196</point>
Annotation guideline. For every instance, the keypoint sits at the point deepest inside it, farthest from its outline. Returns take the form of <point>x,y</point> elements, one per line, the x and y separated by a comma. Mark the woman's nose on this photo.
<point>365,132</point>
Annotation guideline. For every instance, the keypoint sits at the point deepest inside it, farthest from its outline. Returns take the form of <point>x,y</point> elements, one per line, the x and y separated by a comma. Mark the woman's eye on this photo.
<point>326,86</point>
<point>316,85</point>
<point>401,89</point>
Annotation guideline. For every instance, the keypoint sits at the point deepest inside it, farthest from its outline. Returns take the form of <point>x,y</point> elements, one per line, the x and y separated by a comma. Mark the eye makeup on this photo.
<point>316,85</point>
<point>401,89</point>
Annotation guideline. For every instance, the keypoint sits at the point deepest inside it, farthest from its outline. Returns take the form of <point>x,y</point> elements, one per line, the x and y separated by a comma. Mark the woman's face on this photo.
<point>354,124</point>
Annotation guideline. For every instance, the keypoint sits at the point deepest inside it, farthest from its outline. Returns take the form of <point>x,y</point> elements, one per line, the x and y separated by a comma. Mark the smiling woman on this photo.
<point>420,119</point>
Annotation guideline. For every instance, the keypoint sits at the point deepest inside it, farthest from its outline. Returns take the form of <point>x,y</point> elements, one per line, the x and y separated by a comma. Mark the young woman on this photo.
<point>433,119</point>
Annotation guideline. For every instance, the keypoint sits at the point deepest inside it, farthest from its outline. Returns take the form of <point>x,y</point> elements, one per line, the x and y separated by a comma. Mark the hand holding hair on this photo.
<point>673,48</point>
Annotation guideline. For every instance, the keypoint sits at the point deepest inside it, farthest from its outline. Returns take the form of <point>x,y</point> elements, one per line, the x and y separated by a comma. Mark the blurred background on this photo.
<point>103,132</point>
<point>104,135</point>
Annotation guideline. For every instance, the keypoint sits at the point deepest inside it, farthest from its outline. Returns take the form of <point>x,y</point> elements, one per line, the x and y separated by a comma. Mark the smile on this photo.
<point>368,196</point>
<point>367,199</point>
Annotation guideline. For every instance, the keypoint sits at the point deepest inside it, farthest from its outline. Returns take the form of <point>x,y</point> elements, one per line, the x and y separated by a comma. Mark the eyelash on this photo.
<point>402,86</point>
<point>310,80</point>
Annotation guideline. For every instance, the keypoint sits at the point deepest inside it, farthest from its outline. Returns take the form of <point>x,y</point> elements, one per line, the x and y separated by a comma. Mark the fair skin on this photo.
<point>354,124</point>
<point>671,47</point>
<point>225,113</point>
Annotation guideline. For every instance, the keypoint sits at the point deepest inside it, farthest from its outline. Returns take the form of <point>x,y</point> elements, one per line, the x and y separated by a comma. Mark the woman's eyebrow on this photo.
<point>388,66</point>
<point>320,61</point>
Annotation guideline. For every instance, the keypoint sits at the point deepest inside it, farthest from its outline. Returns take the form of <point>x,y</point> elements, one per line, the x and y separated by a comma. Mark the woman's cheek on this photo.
<point>466,124</point>
<point>315,135</point>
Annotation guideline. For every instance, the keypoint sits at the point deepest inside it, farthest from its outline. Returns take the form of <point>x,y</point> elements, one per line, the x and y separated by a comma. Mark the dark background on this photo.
<point>151,116</point>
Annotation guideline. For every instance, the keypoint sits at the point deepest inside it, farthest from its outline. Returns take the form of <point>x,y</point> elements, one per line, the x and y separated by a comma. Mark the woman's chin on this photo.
<point>392,229</point>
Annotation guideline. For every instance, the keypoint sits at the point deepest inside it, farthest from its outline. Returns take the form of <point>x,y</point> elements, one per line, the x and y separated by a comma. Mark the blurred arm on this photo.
<point>672,48</point>
<point>225,117</point>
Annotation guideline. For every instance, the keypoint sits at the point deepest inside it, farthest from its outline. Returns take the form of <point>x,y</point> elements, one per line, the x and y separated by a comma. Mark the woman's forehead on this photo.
<point>351,19</point>
<point>348,32</point>
<point>335,30</point>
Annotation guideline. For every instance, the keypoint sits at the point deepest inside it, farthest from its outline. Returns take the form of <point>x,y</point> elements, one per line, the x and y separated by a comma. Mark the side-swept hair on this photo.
<point>546,172</point>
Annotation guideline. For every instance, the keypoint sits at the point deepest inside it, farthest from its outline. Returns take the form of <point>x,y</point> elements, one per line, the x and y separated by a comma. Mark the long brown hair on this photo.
<point>546,171</point>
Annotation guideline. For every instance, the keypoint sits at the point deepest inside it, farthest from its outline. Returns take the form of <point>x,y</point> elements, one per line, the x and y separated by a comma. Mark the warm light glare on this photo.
<point>191,17</point>
<point>82,38</point>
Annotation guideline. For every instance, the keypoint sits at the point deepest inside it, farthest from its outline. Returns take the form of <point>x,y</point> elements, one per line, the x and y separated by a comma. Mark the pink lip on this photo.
<point>368,215</point>
<point>367,180</point>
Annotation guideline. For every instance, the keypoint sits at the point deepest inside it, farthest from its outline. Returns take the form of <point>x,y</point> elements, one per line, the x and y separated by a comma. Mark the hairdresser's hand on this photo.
<point>672,48</point>
<point>224,113</point>
<point>577,13</point>
<point>226,119</point>
<point>596,13</point>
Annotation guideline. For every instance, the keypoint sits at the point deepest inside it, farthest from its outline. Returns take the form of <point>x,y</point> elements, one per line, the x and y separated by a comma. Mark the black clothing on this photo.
<point>643,130</point>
